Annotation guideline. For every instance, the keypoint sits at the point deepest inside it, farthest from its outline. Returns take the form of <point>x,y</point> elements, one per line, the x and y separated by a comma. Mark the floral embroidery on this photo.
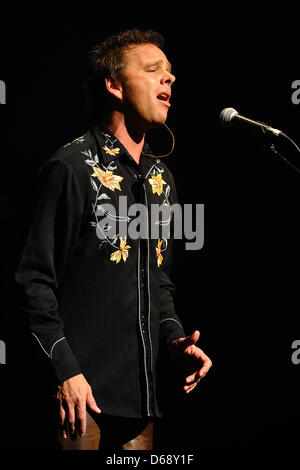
<point>111,181</point>
<point>105,175</point>
<point>113,152</point>
<point>158,252</point>
<point>107,178</point>
<point>122,253</point>
<point>157,184</point>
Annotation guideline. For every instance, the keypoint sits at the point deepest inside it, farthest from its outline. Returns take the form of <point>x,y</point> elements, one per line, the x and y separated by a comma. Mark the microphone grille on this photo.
<point>227,114</point>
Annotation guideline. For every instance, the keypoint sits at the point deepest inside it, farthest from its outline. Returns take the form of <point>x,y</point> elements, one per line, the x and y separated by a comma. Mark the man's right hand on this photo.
<point>74,396</point>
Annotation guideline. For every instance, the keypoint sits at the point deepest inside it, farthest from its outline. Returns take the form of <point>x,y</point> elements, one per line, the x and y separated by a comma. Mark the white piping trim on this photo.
<point>165,319</point>
<point>148,285</point>
<point>51,350</point>
<point>145,363</point>
<point>54,344</point>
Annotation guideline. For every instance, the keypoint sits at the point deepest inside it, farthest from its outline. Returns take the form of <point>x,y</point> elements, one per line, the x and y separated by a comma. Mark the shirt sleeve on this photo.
<point>47,250</point>
<point>170,325</point>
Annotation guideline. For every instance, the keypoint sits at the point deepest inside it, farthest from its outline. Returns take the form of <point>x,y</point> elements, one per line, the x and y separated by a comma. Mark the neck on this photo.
<point>129,135</point>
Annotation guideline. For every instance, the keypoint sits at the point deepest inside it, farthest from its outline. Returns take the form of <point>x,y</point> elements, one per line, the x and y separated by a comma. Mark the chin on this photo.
<point>159,121</point>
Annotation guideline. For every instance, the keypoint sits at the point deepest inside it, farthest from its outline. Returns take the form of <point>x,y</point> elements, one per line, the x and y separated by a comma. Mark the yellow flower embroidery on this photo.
<point>157,184</point>
<point>113,152</point>
<point>121,253</point>
<point>158,253</point>
<point>107,178</point>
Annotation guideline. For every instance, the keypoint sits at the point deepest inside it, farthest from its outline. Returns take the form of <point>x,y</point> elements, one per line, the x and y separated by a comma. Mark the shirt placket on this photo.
<point>145,302</point>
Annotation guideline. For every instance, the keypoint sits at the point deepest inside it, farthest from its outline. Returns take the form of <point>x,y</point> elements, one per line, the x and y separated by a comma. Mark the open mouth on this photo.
<point>164,97</point>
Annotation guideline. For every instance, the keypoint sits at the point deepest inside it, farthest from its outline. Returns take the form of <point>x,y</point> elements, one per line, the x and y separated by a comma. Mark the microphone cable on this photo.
<point>286,160</point>
<point>166,154</point>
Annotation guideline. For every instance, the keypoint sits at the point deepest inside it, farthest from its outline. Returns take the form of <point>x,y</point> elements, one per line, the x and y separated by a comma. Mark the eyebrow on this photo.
<point>159,62</point>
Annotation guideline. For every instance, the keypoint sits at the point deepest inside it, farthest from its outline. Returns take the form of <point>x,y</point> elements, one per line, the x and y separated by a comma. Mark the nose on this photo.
<point>168,78</point>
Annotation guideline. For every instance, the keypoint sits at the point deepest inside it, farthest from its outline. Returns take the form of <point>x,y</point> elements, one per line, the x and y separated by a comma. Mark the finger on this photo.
<point>62,415</point>
<point>196,336</point>
<point>191,378</point>
<point>192,339</point>
<point>91,403</point>
<point>196,376</point>
<point>65,430</point>
<point>189,388</point>
<point>62,421</point>
<point>71,418</point>
<point>205,368</point>
<point>81,418</point>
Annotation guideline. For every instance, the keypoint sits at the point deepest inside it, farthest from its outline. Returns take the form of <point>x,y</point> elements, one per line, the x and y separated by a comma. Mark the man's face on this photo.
<point>146,82</point>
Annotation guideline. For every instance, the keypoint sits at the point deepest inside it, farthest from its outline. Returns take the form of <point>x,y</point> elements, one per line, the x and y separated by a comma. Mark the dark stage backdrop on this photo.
<point>241,290</point>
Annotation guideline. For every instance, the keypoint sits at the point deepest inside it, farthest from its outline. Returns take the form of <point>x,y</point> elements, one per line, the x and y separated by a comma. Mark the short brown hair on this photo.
<point>107,59</point>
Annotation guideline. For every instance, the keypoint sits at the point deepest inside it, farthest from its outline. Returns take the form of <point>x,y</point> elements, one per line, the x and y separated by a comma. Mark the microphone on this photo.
<point>230,116</point>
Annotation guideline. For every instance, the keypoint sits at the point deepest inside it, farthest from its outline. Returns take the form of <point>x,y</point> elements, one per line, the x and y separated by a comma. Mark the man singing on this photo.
<point>99,302</point>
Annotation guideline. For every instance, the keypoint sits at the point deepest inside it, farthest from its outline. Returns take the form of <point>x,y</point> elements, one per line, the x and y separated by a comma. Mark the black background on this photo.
<point>241,290</point>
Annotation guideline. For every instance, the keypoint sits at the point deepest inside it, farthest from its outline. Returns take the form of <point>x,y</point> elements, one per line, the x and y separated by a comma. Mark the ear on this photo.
<point>114,87</point>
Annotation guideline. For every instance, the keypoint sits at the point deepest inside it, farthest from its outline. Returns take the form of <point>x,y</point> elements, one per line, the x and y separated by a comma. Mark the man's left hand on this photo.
<point>190,359</point>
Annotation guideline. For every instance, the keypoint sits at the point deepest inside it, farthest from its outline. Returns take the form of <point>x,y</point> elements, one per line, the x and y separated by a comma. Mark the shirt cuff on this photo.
<point>171,329</point>
<point>63,361</point>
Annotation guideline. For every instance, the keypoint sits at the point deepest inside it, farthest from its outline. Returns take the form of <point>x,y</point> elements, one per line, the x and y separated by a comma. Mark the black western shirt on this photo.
<point>99,299</point>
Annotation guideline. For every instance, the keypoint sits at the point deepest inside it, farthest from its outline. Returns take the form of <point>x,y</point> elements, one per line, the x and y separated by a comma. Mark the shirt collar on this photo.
<point>110,146</point>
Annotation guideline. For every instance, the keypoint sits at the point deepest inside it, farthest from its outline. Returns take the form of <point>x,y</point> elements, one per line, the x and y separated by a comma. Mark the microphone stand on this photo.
<point>276,152</point>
